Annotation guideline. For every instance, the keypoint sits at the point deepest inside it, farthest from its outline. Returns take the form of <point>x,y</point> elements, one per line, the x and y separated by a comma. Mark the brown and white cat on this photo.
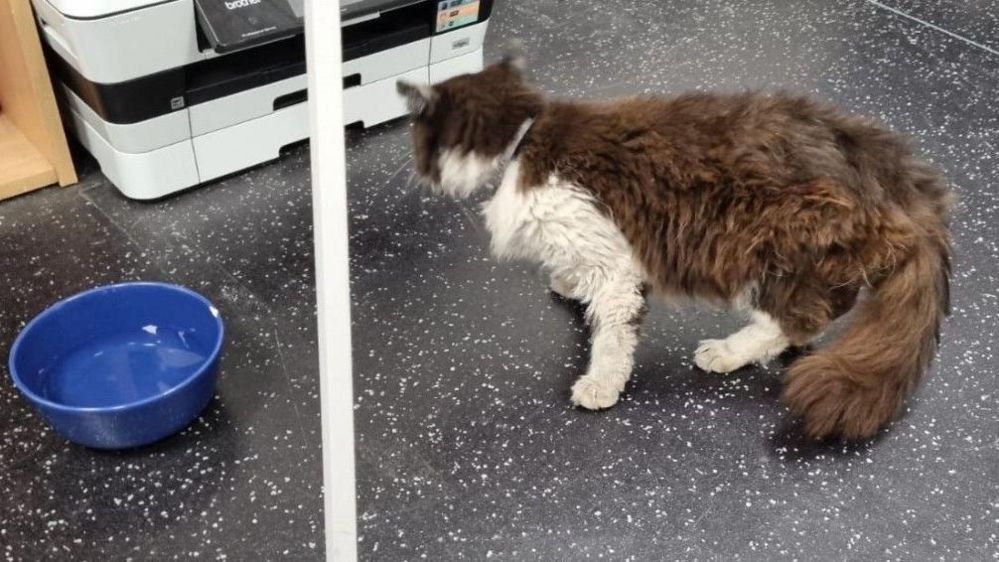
<point>782,206</point>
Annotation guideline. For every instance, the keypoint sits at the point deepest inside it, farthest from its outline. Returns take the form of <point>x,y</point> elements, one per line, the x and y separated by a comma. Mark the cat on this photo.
<point>782,206</point>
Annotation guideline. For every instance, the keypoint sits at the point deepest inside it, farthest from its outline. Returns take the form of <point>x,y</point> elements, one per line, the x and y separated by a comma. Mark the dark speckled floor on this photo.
<point>245,480</point>
<point>467,448</point>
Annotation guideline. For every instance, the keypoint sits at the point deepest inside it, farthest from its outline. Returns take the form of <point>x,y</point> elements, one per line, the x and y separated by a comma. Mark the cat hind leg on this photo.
<point>759,342</point>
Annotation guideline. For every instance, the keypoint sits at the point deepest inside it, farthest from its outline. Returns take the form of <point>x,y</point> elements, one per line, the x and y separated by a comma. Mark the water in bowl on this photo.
<point>124,367</point>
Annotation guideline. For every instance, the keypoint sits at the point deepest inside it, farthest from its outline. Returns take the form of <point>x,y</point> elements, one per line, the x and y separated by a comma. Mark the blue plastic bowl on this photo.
<point>122,365</point>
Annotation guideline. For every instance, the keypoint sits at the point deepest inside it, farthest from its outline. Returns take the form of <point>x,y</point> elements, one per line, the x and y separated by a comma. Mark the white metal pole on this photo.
<point>329,202</point>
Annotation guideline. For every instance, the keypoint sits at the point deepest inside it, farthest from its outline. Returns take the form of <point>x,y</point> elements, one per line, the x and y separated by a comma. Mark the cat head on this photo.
<point>463,127</point>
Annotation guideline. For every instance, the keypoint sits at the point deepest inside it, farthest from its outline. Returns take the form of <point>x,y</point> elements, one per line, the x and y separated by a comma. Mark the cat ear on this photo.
<point>515,56</point>
<point>419,97</point>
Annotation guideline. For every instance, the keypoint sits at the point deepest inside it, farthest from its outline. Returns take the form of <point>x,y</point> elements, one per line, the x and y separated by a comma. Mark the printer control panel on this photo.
<point>452,14</point>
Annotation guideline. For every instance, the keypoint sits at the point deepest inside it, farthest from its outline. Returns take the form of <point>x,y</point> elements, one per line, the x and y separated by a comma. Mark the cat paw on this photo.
<point>714,356</point>
<point>561,287</point>
<point>594,394</point>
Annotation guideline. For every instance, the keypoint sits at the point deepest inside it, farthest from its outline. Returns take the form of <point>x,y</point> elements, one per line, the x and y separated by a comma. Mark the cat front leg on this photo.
<point>615,310</point>
<point>565,229</point>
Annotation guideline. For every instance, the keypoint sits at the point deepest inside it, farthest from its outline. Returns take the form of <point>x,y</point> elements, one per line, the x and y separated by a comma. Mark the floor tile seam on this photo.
<point>935,27</point>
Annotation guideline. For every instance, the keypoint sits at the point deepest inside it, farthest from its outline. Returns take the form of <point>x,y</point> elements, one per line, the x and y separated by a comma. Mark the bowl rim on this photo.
<point>58,305</point>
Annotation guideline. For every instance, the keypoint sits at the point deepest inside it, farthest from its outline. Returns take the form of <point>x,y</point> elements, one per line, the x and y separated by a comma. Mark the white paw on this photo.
<point>593,394</point>
<point>561,287</point>
<point>715,356</point>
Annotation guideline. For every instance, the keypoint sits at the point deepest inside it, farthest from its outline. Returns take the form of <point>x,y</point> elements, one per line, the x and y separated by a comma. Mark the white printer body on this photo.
<point>168,94</point>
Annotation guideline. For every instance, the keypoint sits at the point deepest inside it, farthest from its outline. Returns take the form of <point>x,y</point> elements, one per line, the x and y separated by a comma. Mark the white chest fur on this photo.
<point>559,225</point>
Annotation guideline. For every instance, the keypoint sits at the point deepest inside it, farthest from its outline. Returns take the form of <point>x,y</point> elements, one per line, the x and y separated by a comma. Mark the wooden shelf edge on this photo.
<point>26,95</point>
<point>22,167</point>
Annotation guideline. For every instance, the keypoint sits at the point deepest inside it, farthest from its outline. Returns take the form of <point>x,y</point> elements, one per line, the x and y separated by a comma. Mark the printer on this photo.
<point>168,94</point>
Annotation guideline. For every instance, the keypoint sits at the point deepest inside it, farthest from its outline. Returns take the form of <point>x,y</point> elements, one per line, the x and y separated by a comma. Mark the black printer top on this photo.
<point>230,25</point>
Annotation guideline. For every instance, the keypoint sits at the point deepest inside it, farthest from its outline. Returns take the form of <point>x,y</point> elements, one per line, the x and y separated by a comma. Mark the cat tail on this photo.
<point>860,380</point>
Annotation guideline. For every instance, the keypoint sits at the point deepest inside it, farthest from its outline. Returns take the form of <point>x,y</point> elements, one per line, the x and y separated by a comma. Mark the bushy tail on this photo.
<point>860,381</point>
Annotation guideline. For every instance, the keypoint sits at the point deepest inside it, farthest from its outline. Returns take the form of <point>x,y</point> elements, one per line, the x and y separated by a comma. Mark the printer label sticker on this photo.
<point>452,14</point>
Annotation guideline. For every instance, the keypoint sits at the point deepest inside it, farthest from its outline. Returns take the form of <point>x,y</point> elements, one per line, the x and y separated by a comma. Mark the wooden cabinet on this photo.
<point>33,151</point>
